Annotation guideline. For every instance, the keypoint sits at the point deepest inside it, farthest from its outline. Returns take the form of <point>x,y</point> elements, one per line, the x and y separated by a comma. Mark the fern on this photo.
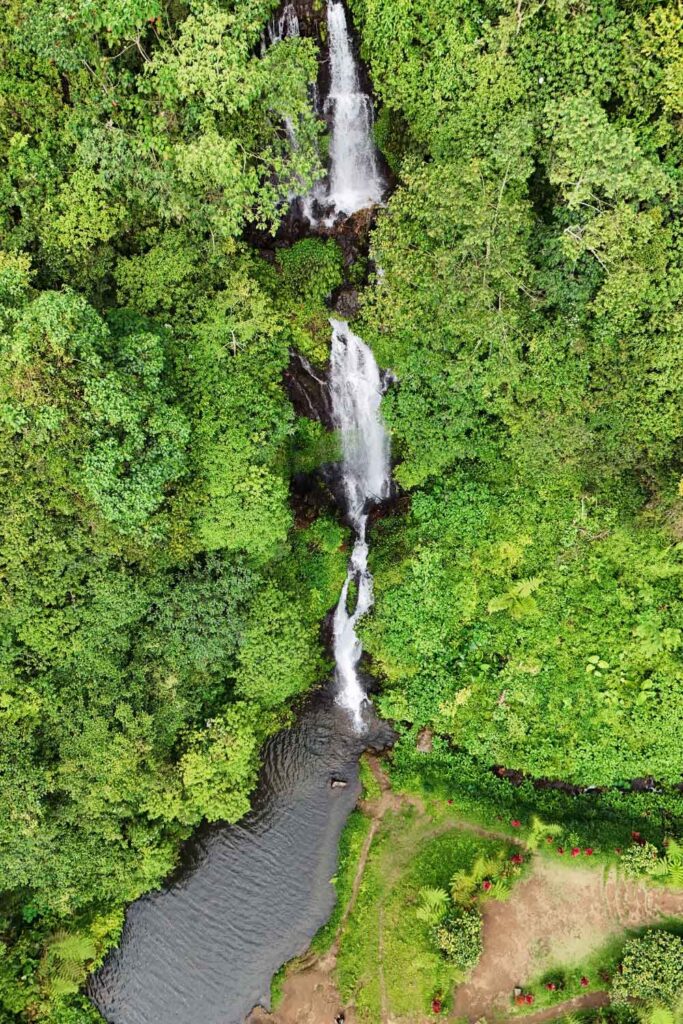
<point>67,971</point>
<point>676,876</point>
<point>571,1018</point>
<point>674,853</point>
<point>433,904</point>
<point>539,831</point>
<point>484,867</point>
<point>659,1015</point>
<point>517,599</point>
<point>500,890</point>
<point>62,987</point>
<point>70,947</point>
<point>462,886</point>
<point>63,964</point>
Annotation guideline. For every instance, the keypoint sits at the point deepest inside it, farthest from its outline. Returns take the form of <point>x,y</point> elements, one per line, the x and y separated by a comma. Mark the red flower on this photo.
<point>449,801</point>
<point>436,1006</point>
<point>515,823</point>
<point>528,998</point>
<point>549,839</point>
<point>520,1000</point>
<point>560,850</point>
<point>517,858</point>
<point>550,985</point>
<point>585,982</point>
<point>575,851</point>
<point>588,851</point>
<point>486,885</point>
<point>635,835</point>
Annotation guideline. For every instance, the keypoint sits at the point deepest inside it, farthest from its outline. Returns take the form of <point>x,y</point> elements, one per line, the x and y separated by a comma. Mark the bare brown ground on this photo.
<point>559,914</point>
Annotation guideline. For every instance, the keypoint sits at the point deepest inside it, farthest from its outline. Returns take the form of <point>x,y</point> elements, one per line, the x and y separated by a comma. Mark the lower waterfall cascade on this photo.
<point>356,389</point>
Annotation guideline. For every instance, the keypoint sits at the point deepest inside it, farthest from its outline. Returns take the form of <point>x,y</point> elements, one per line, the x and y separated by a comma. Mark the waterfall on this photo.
<point>356,390</point>
<point>355,179</point>
<point>284,27</point>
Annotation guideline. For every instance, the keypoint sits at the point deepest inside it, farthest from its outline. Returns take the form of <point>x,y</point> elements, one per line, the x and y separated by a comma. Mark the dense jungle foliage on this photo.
<point>529,287</point>
<point>159,608</point>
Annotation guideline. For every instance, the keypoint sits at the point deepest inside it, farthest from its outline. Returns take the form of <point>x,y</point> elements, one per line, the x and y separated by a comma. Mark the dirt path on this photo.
<point>592,1001</point>
<point>560,914</point>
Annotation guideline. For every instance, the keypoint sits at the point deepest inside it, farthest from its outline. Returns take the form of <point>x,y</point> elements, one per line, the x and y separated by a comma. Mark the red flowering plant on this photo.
<point>554,983</point>
<point>490,877</point>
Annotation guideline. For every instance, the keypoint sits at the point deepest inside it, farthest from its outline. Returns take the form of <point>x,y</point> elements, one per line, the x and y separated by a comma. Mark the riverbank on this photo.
<point>560,913</point>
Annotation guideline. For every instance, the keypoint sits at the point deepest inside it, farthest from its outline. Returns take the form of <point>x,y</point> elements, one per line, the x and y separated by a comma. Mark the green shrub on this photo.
<point>639,860</point>
<point>311,269</point>
<point>651,970</point>
<point>458,937</point>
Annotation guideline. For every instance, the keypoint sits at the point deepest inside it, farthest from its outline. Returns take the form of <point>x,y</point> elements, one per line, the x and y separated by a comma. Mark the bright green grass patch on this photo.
<point>387,956</point>
<point>277,985</point>
<point>350,845</point>
<point>371,787</point>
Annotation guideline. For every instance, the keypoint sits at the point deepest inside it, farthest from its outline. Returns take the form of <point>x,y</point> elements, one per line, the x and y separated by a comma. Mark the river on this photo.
<point>250,896</point>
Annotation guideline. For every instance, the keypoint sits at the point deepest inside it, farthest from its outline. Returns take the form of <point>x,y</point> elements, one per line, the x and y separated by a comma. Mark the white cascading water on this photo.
<point>356,392</point>
<point>354,181</point>
<point>284,27</point>
<point>355,178</point>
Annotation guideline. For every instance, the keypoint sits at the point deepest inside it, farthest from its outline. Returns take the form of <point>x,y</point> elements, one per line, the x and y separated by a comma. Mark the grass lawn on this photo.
<point>387,961</point>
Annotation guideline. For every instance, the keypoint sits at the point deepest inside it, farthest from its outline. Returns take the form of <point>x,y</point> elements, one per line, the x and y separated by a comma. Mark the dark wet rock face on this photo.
<point>308,390</point>
<point>345,302</point>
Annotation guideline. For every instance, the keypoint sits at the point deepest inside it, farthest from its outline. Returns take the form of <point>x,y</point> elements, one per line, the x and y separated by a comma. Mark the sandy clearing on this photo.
<point>560,914</point>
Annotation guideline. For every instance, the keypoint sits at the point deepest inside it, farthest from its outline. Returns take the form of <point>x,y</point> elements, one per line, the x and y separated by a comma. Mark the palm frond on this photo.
<point>659,1015</point>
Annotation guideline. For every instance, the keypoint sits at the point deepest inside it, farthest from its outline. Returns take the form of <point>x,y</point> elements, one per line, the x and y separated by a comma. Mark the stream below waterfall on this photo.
<point>248,897</point>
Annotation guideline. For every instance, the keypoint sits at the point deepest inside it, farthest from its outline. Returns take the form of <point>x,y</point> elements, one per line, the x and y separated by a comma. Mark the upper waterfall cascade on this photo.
<point>354,180</point>
<point>286,26</point>
<point>356,390</point>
